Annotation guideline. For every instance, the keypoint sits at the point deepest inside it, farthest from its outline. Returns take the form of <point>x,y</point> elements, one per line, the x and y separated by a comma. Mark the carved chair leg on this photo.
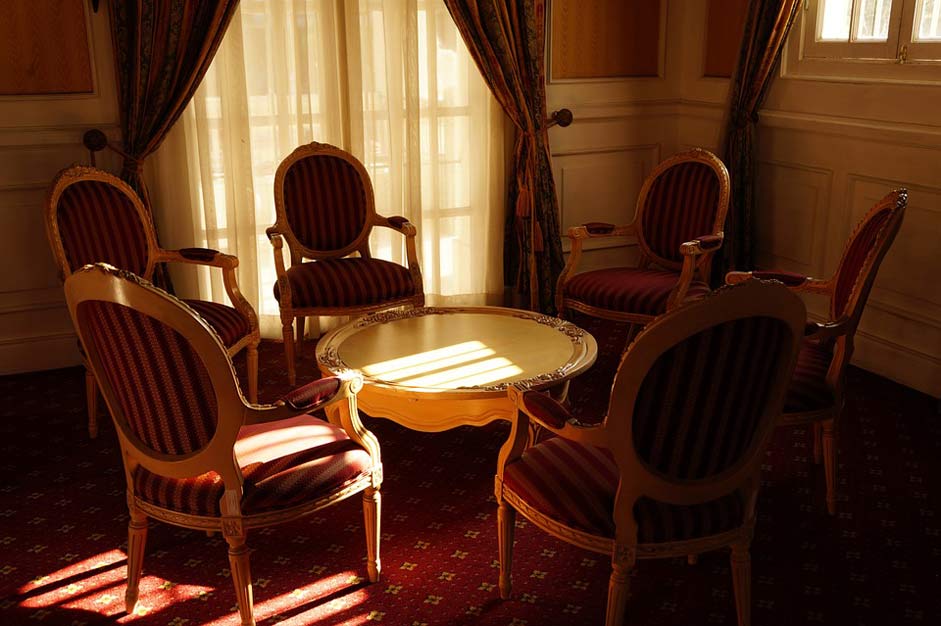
<point>619,586</point>
<point>301,333</point>
<point>287,332</point>
<point>741,581</point>
<point>251,359</point>
<point>91,400</point>
<point>241,577</point>
<point>829,463</point>
<point>506,524</point>
<point>818,443</point>
<point>136,542</point>
<point>372,511</point>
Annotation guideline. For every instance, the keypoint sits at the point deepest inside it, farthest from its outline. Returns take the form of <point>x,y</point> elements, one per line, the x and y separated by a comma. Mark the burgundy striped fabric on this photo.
<point>859,249</point>
<point>808,390</point>
<point>701,402</point>
<point>629,289</point>
<point>284,463</point>
<point>325,202</point>
<point>347,282</point>
<point>681,205</point>
<point>576,484</point>
<point>308,397</point>
<point>98,223</point>
<point>158,380</point>
<point>229,324</point>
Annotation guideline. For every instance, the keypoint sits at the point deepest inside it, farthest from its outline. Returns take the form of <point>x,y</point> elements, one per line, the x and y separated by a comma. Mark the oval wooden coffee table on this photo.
<point>431,369</point>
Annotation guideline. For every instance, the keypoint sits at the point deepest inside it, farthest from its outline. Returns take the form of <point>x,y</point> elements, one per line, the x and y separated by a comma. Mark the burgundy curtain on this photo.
<point>766,27</point>
<point>162,49</point>
<point>507,40</point>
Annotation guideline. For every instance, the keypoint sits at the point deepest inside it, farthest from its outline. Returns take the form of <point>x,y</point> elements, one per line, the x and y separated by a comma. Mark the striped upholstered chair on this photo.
<point>195,453</point>
<point>93,216</point>
<point>815,396</point>
<point>672,467</point>
<point>325,213</point>
<point>678,226</point>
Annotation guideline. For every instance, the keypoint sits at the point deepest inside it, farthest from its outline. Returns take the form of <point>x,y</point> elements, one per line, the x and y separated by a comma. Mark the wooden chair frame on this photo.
<point>155,254</point>
<point>697,253</point>
<point>101,282</point>
<point>840,329</point>
<point>637,479</point>
<point>282,232</point>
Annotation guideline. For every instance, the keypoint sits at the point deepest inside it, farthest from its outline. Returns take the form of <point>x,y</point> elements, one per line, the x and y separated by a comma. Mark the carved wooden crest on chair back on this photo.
<point>684,197</point>
<point>96,217</point>
<point>864,253</point>
<point>325,197</point>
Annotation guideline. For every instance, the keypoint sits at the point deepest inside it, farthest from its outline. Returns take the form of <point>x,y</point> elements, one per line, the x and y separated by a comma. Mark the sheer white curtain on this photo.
<point>392,82</point>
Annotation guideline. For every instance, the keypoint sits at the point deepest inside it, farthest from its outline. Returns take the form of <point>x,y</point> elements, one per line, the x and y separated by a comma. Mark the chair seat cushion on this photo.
<point>629,289</point>
<point>284,464</point>
<point>575,485</point>
<point>347,282</point>
<point>808,390</point>
<point>230,325</point>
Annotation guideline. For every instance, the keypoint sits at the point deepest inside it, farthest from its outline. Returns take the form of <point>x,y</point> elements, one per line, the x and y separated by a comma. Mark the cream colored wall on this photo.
<point>827,151</point>
<point>38,137</point>
<point>622,129</point>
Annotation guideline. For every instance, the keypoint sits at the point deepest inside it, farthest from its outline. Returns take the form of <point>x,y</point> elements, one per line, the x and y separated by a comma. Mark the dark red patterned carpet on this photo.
<point>63,517</point>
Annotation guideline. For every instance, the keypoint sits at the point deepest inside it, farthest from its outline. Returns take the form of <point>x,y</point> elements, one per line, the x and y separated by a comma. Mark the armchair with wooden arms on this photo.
<point>815,395</point>
<point>92,216</point>
<point>673,466</point>
<point>325,213</point>
<point>195,453</point>
<point>678,226</point>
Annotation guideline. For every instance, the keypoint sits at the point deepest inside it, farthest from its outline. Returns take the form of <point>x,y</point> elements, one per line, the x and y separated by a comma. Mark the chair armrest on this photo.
<point>554,417</point>
<point>397,223</point>
<point>792,280</point>
<point>596,230</point>
<point>826,331</point>
<point>198,256</point>
<point>545,410</point>
<point>228,263</point>
<point>310,396</point>
<point>306,399</point>
<point>702,245</point>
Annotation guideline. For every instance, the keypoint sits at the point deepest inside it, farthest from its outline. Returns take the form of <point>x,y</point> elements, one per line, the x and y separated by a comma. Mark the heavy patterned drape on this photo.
<point>766,28</point>
<point>507,41</point>
<point>162,49</point>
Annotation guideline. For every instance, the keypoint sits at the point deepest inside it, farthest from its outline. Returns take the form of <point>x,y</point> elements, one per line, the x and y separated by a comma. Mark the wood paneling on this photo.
<point>604,39</point>
<point>724,24</point>
<point>44,48</point>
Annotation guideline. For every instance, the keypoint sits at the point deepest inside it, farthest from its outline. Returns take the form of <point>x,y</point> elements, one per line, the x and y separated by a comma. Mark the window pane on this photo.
<point>928,21</point>
<point>834,17</point>
<point>873,23</point>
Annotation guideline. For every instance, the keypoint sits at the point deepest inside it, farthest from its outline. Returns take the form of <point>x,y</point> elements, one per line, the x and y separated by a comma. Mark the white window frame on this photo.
<point>899,59</point>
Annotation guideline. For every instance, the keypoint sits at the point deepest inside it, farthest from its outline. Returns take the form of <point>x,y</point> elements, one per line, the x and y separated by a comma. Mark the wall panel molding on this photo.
<point>791,227</point>
<point>897,134</point>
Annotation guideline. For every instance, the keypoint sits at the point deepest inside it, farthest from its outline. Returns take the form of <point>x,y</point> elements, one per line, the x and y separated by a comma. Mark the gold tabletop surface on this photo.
<point>458,348</point>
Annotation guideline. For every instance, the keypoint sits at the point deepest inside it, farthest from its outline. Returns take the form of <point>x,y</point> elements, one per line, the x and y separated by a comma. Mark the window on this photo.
<point>876,39</point>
